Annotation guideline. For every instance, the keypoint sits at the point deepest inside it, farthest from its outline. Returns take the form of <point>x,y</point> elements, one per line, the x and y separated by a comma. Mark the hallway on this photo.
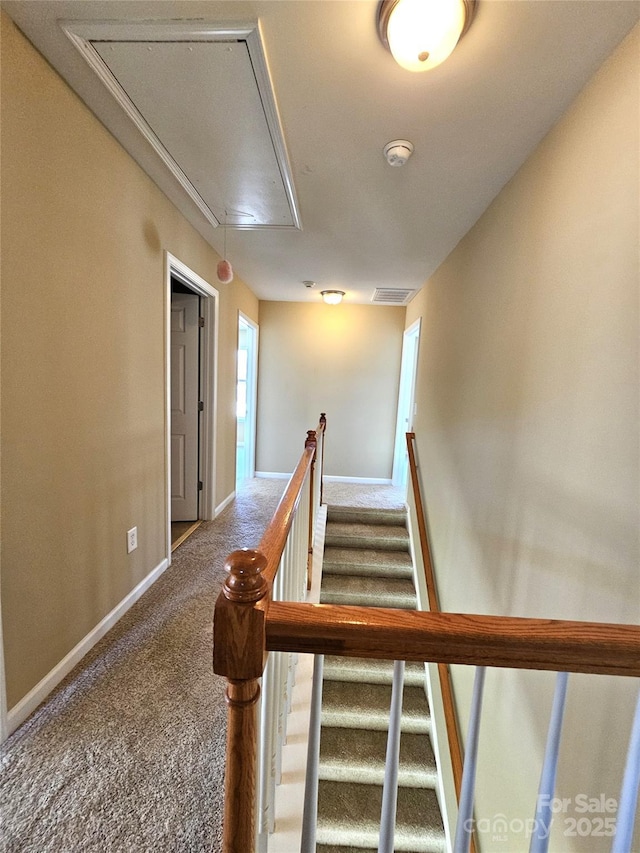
<point>128,753</point>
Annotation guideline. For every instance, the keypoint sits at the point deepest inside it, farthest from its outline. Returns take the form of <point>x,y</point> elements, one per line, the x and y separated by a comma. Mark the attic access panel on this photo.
<point>202,97</point>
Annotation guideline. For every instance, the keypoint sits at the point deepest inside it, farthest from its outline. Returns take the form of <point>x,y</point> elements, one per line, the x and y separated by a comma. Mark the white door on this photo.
<point>185,349</point>
<point>406,402</point>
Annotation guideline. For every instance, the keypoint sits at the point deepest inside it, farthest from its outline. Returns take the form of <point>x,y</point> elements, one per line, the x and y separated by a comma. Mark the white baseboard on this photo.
<point>270,475</point>
<point>27,705</point>
<point>225,503</point>
<point>366,481</point>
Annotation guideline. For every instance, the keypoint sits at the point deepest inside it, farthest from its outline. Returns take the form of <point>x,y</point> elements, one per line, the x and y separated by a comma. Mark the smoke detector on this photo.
<point>398,152</point>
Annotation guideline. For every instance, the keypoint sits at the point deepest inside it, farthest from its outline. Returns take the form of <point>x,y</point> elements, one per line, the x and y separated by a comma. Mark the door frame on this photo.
<point>4,728</point>
<point>252,393</point>
<point>175,268</point>
<point>406,398</point>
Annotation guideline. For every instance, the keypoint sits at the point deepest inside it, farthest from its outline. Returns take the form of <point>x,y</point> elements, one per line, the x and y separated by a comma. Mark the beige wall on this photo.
<point>340,359</point>
<point>527,426</point>
<point>84,233</point>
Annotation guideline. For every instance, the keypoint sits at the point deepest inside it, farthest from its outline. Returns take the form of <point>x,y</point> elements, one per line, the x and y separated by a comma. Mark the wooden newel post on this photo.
<point>239,654</point>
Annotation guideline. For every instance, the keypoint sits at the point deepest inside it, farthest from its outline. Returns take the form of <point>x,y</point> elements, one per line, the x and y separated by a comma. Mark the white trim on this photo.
<point>406,401</point>
<point>225,503</point>
<point>26,706</point>
<point>252,396</point>
<point>211,313</point>
<point>4,733</point>
<point>82,34</point>
<point>4,728</point>
<point>367,481</point>
<point>272,475</point>
<point>272,116</point>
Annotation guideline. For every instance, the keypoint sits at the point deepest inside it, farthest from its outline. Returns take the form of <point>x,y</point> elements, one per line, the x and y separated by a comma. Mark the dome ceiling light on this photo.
<point>332,297</point>
<point>422,33</point>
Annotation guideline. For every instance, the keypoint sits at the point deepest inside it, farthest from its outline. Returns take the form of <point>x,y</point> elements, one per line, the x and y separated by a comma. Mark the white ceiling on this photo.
<point>341,98</point>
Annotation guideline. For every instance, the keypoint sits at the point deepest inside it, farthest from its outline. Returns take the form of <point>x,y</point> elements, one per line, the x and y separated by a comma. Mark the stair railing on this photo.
<point>250,623</point>
<point>278,571</point>
<point>382,633</point>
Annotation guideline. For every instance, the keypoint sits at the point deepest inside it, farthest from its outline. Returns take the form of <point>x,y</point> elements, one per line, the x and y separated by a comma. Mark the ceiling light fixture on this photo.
<point>423,33</point>
<point>332,297</point>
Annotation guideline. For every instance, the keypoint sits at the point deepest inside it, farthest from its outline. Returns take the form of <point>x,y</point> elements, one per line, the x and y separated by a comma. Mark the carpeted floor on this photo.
<point>363,495</point>
<point>128,753</point>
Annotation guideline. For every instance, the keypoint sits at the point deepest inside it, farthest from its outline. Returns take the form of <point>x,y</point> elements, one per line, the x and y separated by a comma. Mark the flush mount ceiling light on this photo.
<point>332,297</point>
<point>423,33</point>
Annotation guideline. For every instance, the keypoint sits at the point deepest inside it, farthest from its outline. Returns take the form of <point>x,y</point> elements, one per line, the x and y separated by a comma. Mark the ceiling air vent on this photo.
<point>392,295</point>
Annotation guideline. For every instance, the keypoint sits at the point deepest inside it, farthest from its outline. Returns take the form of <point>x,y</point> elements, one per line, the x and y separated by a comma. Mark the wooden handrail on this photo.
<point>446,687</point>
<point>425,544</point>
<point>463,638</point>
<point>275,536</point>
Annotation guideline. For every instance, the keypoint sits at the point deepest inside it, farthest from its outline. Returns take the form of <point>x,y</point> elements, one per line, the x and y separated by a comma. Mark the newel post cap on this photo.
<point>245,582</point>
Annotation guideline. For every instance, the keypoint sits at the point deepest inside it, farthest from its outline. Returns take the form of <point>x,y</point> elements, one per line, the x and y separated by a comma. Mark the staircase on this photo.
<point>367,562</point>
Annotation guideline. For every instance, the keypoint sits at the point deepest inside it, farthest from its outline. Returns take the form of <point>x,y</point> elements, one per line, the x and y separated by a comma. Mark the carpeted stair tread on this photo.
<point>331,848</point>
<point>351,706</point>
<point>350,815</point>
<point>348,755</point>
<point>362,515</point>
<point>367,561</point>
<point>374,536</point>
<point>370,670</point>
<point>368,592</point>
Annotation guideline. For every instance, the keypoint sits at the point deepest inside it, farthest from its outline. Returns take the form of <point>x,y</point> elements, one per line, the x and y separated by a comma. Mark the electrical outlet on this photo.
<point>132,539</point>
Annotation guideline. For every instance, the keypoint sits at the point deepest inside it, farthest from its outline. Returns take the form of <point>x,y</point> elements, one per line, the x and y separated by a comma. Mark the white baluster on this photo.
<point>310,813</point>
<point>464,826</point>
<point>390,785</point>
<point>628,804</point>
<point>544,817</point>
